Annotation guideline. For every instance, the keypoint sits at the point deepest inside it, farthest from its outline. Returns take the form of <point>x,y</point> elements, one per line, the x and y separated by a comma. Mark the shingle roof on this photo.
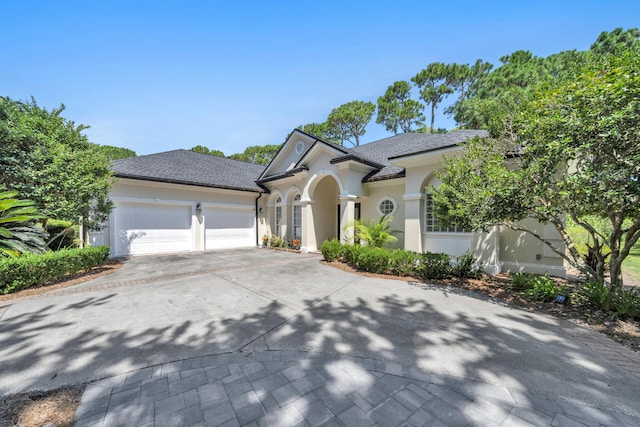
<point>191,168</point>
<point>407,144</point>
<point>188,167</point>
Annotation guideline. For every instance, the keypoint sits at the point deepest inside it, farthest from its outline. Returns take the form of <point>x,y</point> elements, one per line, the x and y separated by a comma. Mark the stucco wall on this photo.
<point>377,192</point>
<point>146,191</point>
<point>520,251</point>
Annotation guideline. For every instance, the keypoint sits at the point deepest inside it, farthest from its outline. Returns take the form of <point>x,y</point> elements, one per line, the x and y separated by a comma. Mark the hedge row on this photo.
<point>32,270</point>
<point>400,262</point>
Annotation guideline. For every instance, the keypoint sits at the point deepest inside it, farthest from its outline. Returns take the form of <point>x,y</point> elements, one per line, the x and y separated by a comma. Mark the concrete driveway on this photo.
<point>162,309</point>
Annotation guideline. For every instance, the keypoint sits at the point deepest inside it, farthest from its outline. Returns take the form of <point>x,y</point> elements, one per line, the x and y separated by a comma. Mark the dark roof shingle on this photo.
<point>406,144</point>
<point>191,168</point>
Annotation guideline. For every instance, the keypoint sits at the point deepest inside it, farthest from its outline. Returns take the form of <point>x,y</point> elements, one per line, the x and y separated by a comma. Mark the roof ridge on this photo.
<point>218,157</point>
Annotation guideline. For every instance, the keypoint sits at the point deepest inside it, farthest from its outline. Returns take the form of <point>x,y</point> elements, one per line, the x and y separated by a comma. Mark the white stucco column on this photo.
<point>308,240</point>
<point>486,249</point>
<point>347,215</point>
<point>412,221</point>
<point>284,229</point>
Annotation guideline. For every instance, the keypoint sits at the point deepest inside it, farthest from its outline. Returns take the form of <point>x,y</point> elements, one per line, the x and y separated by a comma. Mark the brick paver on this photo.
<point>295,388</point>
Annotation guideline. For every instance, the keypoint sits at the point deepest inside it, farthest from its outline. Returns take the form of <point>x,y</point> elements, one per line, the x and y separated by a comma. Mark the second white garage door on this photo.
<point>229,227</point>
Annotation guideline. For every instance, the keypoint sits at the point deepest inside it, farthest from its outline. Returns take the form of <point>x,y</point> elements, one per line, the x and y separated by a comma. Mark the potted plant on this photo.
<point>296,244</point>
<point>265,241</point>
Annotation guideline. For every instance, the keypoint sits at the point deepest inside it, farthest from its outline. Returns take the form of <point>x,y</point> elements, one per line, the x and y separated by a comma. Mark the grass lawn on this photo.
<point>631,265</point>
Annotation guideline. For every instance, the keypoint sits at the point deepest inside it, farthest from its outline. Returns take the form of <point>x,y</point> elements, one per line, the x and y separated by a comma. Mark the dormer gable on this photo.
<point>299,148</point>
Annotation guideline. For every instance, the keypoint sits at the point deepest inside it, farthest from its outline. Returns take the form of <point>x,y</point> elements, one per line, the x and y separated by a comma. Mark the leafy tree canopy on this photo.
<point>434,84</point>
<point>505,88</point>
<point>501,90</point>
<point>571,147</point>
<point>348,121</point>
<point>397,111</point>
<point>321,130</point>
<point>48,160</point>
<point>115,153</point>
<point>618,39</point>
<point>204,150</point>
<point>258,154</point>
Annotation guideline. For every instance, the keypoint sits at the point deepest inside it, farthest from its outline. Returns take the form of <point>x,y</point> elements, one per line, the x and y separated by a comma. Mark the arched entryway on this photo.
<point>325,209</point>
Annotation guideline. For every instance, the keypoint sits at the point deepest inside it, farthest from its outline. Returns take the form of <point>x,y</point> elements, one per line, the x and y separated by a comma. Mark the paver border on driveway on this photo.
<point>289,387</point>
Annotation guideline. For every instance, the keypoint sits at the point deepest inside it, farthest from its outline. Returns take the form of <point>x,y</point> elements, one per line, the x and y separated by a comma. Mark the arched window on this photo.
<point>431,223</point>
<point>297,217</point>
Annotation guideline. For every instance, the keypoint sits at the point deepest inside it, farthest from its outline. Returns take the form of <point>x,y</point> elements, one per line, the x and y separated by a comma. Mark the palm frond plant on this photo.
<point>18,232</point>
<point>377,234</point>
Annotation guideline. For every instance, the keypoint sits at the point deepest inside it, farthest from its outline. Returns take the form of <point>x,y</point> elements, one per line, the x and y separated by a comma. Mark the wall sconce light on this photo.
<point>198,207</point>
<point>260,210</point>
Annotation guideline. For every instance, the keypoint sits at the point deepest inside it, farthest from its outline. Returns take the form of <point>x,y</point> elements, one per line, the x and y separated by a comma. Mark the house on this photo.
<point>312,190</point>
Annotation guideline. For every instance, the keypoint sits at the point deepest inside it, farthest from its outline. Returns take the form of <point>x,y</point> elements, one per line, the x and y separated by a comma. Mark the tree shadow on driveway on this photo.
<point>480,345</point>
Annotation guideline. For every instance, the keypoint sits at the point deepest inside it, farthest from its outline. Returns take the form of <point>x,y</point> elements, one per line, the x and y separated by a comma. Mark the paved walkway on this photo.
<point>295,388</point>
<point>259,337</point>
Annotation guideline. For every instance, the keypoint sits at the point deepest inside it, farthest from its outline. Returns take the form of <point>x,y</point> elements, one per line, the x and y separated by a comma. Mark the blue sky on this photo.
<point>160,75</point>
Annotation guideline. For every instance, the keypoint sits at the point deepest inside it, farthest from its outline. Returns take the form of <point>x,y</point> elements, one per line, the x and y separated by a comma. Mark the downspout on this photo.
<point>257,221</point>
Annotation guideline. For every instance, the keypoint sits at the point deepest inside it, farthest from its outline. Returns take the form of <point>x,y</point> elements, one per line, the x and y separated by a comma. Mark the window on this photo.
<point>278,217</point>
<point>387,206</point>
<point>297,218</point>
<point>431,222</point>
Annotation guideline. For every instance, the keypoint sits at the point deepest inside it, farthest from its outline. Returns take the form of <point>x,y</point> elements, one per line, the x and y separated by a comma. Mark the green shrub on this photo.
<point>276,241</point>
<point>373,260</point>
<point>544,289</point>
<point>331,250</point>
<point>464,266</point>
<point>400,262</point>
<point>67,234</point>
<point>404,263</point>
<point>522,281</point>
<point>599,294</point>
<point>536,287</point>
<point>350,254</point>
<point>625,302</point>
<point>376,234</point>
<point>39,269</point>
<point>434,266</point>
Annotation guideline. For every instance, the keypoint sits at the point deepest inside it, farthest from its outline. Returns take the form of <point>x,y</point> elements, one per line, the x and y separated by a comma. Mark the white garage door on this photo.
<point>229,227</point>
<point>151,228</point>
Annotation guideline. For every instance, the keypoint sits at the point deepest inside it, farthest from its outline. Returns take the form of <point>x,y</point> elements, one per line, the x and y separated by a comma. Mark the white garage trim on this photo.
<point>226,205</point>
<point>160,201</point>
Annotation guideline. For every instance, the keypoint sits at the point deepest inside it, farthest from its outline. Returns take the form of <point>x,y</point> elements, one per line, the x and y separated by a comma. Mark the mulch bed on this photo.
<point>36,409</point>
